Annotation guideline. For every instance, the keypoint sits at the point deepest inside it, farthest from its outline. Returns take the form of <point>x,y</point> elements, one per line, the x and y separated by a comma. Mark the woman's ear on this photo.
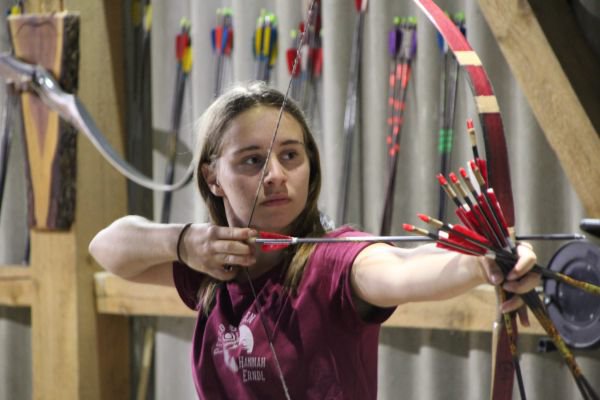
<point>210,176</point>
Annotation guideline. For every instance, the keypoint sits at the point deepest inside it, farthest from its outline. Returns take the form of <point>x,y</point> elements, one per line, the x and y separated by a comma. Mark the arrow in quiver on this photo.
<point>51,41</point>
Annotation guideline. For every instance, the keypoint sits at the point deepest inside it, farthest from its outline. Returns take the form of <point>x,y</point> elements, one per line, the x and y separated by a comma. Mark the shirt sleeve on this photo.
<point>187,282</point>
<point>333,262</point>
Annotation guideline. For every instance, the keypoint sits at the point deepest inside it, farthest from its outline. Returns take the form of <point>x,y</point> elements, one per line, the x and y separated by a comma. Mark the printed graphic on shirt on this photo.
<point>235,346</point>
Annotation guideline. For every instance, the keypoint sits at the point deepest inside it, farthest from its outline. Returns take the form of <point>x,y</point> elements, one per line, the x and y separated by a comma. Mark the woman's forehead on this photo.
<point>255,127</point>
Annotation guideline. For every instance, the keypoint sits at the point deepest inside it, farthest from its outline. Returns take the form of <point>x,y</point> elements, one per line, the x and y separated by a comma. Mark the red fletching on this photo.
<point>479,220</point>
<point>498,210</point>
<point>463,172</point>
<point>471,234</point>
<point>229,45</point>
<point>291,58</point>
<point>462,215</point>
<point>472,222</point>
<point>486,209</point>
<point>267,247</point>
<point>272,235</point>
<point>317,61</point>
<point>470,124</point>
<point>462,242</point>
<point>181,42</point>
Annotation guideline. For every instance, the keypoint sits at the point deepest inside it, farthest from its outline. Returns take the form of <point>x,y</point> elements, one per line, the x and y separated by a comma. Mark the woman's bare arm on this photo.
<point>140,250</point>
<point>384,275</point>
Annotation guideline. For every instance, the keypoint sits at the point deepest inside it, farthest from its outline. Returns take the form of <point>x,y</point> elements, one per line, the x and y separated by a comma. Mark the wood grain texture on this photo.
<point>550,94</point>
<point>472,311</point>
<point>118,296</point>
<point>16,286</point>
<point>50,41</point>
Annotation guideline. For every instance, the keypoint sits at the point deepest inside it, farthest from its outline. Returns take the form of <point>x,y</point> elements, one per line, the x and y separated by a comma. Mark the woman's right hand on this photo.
<point>217,250</point>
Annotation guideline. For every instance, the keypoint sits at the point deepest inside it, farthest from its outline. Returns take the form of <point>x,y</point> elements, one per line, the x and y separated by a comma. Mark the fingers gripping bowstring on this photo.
<point>263,172</point>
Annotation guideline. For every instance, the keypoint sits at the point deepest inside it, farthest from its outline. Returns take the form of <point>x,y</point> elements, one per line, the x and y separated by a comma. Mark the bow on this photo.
<point>26,76</point>
<point>499,178</point>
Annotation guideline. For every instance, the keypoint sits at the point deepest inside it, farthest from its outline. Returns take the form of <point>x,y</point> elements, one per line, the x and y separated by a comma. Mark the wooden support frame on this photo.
<point>551,95</point>
<point>78,353</point>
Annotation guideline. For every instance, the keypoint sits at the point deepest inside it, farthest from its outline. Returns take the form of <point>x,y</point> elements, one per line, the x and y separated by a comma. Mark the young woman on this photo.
<point>311,330</point>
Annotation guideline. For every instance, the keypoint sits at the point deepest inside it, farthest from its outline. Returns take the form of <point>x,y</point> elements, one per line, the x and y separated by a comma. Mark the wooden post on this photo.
<point>553,100</point>
<point>77,352</point>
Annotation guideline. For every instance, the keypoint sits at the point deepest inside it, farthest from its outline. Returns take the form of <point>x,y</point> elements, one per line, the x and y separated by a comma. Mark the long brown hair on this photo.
<point>211,128</point>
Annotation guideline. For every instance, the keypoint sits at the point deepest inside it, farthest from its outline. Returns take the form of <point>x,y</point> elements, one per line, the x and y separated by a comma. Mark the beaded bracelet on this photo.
<point>180,239</point>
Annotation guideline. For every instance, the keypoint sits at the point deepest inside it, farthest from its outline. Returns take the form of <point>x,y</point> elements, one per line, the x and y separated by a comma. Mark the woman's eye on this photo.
<point>252,160</point>
<point>290,155</point>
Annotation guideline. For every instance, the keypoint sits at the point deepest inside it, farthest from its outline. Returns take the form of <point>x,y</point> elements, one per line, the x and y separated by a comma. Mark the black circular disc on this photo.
<point>575,313</point>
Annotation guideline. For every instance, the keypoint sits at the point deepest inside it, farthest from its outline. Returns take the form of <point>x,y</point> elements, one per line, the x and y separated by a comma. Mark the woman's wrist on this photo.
<point>180,250</point>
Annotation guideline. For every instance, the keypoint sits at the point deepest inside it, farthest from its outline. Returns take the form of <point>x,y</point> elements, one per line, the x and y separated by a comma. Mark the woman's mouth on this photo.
<point>275,201</point>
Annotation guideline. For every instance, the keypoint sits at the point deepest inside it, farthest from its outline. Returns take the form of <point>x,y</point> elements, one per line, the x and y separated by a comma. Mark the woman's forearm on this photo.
<point>386,276</point>
<point>132,245</point>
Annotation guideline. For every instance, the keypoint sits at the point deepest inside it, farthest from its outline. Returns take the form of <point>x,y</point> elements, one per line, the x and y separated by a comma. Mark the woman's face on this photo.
<point>236,173</point>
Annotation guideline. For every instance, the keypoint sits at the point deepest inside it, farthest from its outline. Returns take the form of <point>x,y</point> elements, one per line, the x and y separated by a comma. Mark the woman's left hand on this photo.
<point>520,280</point>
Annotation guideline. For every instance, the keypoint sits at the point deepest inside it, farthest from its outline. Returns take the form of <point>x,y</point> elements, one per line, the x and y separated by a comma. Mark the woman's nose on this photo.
<point>276,173</point>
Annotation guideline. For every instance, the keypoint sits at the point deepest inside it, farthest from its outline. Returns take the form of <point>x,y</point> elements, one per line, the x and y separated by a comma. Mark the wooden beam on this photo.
<point>118,296</point>
<point>43,6</point>
<point>52,41</point>
<point>16,287</point>
<point>469,312</point>
<point>573,51</point>
<point>550,94</point>
<point>472,311</point>
<point>77,352</point>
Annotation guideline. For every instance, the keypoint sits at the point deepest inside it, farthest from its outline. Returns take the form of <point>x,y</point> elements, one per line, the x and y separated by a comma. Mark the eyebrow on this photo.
<point>255,147</point>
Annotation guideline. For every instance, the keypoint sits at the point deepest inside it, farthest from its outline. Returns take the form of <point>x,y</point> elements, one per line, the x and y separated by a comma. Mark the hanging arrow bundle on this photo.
<point>265,45</point>
<point>306,77</point>
<point>183,56</point>
<point>450,74</point>
<point>402,49</point>
<point>221,38</point>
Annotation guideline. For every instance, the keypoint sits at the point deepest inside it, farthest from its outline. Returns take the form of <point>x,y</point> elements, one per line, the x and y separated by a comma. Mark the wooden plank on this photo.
<point>55,317</point>
<point>469,312</point>
<point>118,296</point>
<point>573,51</point>
<point>50,40</point>
<point>553,101</point>
<point>473,311</point>
<point>43,6</point>
<point>16,287</point>
<point>101,194</point>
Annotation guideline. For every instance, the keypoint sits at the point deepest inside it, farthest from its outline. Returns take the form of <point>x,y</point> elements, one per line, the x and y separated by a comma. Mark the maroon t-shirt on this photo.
<point>325,349</point>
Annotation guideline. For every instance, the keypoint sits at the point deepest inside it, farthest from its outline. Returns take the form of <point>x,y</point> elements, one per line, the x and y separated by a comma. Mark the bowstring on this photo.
<point>260,185</point>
